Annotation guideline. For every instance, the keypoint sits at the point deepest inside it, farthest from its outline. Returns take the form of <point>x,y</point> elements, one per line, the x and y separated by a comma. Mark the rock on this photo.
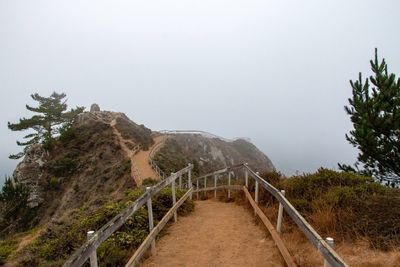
<point>94,108</point>
<point>29,172</point>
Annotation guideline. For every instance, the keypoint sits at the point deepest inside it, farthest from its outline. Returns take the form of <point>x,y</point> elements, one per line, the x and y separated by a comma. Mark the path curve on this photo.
<point>129,153</point>
<point>142,158</point>
<point>216,234</point>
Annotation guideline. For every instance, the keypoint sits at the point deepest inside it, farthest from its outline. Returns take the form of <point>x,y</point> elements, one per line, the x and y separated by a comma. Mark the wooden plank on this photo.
<point>134,260</point>
<point>319,243</point>
<point>278,241</point>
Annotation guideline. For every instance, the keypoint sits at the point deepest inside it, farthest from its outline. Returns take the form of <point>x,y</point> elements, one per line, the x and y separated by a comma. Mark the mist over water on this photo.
<point>275,71</point>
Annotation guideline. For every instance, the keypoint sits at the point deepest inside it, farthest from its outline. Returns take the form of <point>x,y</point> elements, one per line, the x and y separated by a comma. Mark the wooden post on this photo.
<point>229,183</point>
<point>215,186</point>
<point>246,176</point>
<point>190,180</point>
<point>256,191</point>
<point>151,222</point>
<point>93,256</point>
<point>330,242</point>
<point>205,185</point>
<point>197,188</point>
<point>180,181</point>
<point>174,195</point>
<point>280,215</point>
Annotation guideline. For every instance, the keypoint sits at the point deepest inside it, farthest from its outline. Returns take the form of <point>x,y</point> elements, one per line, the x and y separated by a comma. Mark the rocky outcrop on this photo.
<point>94,108</point>
<point>29,172</point>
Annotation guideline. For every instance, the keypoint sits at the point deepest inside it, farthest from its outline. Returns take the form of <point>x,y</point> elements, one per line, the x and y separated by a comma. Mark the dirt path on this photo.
<point>141,159</point>
<point>128,152</point>
<point>216,234</point>
<point>140,166</point>
<point>23,242</point>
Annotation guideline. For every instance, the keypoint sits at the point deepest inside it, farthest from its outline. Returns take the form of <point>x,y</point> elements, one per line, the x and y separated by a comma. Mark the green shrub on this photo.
<point>64,165</point>
<point>139,133</point>
<point>171,158</point>
<point>149,181</point>
<point>314,186</point>
<point>54,183</point>
<point>126,166</point>
<point>61,238</point>
<point>6,247</point>
<point>67,132</point>
<point>356,205</point>
<point>15,215</point>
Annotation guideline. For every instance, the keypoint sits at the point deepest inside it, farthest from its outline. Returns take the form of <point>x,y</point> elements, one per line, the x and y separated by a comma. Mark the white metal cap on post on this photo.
<point>330,242</point>
<point>93,256</point>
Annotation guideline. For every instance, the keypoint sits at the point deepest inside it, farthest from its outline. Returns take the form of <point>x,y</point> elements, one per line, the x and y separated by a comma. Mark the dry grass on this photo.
<point>360,255</point>
<point>355,254</point>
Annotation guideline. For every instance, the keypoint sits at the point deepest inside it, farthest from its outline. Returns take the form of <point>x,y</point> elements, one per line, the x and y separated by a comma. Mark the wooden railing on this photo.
<point>331,258</point>
<point>88,250</point>
<point>153,164</point>
<point>197,185</point>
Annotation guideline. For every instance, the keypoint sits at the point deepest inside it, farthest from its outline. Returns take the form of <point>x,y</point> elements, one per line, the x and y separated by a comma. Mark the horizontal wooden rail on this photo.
<point>83,253</point>
<point>225,170</point>
<point>327,252</point>
<point>134,260</point>
<point>220,187</point>
<point>278,241</point>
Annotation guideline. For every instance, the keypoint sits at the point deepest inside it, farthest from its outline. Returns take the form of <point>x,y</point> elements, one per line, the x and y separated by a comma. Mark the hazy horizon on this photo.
<point>276,72</point>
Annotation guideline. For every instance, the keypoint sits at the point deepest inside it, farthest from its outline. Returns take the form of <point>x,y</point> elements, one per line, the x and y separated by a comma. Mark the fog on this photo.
<point>276,72</point>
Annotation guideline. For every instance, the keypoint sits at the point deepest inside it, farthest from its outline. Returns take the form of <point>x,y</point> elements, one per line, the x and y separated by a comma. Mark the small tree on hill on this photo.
<point>15,213</point>
<point>52,116</point>
<point>375,113</point>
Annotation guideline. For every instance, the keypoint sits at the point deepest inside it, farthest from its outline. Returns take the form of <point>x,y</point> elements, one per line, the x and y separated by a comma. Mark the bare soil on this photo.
<point>141,159</point>
<point>216,234</point>
<point>140,166</point>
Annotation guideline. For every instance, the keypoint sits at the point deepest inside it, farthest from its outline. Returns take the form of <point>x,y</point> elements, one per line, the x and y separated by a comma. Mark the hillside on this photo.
<point>92,171</point>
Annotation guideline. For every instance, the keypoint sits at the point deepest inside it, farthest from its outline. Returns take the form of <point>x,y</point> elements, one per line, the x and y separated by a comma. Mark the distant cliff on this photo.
<point>209,153</point>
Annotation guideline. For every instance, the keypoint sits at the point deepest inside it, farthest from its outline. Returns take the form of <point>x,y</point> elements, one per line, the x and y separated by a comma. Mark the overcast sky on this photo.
<point>275,71</point>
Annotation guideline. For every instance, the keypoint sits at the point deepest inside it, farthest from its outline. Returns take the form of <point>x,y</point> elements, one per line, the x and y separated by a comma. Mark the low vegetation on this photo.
<point>171,158</point>
<point>15,214</point>
<point>6,248</point>
<point>139,133</point>
<point>63,236</point>
<point>345,205</point>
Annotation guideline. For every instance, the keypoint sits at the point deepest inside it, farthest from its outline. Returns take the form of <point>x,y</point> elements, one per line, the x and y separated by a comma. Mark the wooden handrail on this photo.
<point>224,170</point>
<point>278,241</point>
<point>319,243</point>
<point>83,253</point>
<point>134,260</point>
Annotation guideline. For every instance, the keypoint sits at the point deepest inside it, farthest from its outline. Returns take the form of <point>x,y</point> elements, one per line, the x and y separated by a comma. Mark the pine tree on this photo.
<point>375,113</point>
<point>51,117</point>
<point>13,197</point>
